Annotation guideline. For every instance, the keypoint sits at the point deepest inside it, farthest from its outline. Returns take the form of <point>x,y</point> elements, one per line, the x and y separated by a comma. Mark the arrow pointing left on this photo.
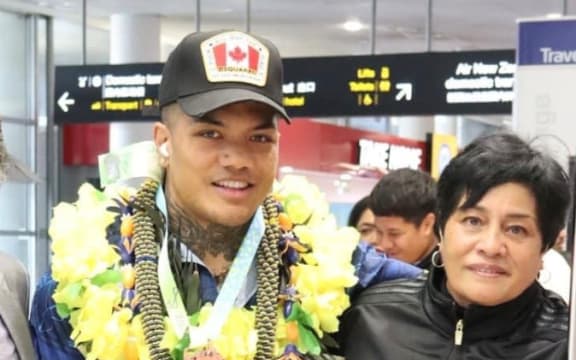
<point>64,101</point>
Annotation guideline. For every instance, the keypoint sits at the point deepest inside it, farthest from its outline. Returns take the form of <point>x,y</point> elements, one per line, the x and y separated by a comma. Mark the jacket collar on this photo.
<point>479,321</point>
<point>16,322</point>
<point>426,262</point>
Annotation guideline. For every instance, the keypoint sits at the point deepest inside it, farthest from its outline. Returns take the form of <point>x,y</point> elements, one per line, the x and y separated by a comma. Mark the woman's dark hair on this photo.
<point>502,158</point>
<point>357,211</point>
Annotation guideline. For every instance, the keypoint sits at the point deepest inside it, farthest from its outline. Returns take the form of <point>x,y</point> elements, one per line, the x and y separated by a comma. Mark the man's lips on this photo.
<point>233,184</point>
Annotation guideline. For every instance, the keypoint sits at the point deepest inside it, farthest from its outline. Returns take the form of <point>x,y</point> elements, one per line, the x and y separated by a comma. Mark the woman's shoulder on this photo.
<point>399,290</point>
<point>553,313</point>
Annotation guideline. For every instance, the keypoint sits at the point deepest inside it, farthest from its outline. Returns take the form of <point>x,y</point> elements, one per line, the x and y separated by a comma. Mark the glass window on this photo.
<point>13,61</point>
<point>22,247</point>
<point>22,92</point>
<point>68,43</point>
<point>19,140</point>
<point>17,245</point>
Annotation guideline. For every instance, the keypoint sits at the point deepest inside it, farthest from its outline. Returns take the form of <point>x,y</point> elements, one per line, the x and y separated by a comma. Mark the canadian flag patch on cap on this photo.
<point>235,56</point>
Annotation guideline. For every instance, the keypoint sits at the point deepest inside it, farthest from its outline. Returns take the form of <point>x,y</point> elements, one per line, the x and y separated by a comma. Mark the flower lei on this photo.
<point>93,263</point>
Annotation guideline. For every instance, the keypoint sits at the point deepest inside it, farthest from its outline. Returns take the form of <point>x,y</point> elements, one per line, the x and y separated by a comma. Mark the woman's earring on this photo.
<point>437,259</point>
<point>544,276</point>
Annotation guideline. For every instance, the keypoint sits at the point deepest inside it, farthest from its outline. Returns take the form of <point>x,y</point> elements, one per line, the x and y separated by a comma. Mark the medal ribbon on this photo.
<point>230,288</point>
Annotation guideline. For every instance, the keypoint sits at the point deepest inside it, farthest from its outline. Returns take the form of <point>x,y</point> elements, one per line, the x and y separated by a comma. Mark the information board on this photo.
<point>477,82</point>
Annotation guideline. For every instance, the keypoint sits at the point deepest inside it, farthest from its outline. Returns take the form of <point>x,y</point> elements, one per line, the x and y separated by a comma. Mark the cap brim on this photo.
<point>199,104</point>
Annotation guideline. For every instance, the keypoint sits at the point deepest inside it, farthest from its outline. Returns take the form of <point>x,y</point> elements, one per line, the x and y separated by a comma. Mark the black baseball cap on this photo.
<point>208,70</point>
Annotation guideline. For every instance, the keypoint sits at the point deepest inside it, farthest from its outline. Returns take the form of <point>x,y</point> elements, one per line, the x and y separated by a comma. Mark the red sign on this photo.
<point>310,145</point>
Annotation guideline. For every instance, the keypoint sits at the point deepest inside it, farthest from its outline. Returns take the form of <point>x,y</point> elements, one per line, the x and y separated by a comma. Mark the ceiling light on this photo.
<point>553,15</point>
<point>352,25</point>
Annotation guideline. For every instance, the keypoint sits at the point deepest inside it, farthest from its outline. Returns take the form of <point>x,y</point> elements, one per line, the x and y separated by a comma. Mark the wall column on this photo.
<point>133,39</point>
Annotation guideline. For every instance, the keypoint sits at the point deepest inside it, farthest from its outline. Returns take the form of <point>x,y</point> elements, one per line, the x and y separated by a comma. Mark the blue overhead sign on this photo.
<point>549,42</point>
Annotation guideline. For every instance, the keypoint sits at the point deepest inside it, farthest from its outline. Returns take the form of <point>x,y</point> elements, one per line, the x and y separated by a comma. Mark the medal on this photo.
<point>208,352</point>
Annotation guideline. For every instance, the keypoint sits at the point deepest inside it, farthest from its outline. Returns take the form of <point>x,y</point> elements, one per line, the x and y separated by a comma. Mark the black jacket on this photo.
<point>417,319</point>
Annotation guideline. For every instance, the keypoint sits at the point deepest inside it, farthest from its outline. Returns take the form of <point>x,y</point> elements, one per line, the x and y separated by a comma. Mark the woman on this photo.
<point>501,205</point>
<point>362,219</point>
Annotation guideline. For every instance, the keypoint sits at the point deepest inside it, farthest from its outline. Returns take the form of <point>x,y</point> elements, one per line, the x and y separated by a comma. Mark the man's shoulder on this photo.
<point>13,270</point>
<point>15,277</point>
<point>392,291</point>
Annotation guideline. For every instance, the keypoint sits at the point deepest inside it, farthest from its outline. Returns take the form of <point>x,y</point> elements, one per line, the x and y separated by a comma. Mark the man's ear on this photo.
<point>162,140</point>
<point>427,224</point>
<point>161,133</point>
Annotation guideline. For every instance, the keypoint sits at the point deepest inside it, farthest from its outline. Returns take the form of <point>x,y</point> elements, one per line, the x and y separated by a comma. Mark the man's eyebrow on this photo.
<point>207,119</point>
<point>266,122</point>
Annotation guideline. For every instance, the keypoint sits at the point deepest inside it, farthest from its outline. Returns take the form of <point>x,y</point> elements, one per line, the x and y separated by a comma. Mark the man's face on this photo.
<point>221,167</point>
<point>403,240</point>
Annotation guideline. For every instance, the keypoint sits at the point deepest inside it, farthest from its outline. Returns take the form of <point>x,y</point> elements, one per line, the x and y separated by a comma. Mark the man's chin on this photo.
<point>236,216</point>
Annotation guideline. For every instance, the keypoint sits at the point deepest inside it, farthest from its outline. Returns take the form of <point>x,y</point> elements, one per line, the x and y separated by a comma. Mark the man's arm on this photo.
<point>7,347</point>
<point>15,340</point>
<point>50,333</point>
<point>373,267</point>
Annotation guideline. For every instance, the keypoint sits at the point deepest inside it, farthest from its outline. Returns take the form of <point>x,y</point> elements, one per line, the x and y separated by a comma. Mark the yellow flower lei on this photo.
<point>96,278</point>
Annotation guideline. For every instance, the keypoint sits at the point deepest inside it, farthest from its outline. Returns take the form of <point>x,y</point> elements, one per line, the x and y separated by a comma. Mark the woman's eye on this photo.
<point>472,221</point>
<point>517,230</point>
<point>366,232</point>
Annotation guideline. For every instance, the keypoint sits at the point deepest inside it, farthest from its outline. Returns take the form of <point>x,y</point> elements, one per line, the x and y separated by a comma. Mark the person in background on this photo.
<point>501,206</point>
<point>556,272</point>
<point>15,339</point>
<point>362,218</point>
<point>403,203</point>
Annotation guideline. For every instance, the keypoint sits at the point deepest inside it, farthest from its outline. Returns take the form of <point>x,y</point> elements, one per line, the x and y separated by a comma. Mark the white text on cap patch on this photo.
<point>235,56</point>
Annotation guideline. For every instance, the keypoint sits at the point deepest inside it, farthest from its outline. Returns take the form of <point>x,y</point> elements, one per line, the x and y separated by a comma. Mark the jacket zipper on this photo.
<point>459,332</point>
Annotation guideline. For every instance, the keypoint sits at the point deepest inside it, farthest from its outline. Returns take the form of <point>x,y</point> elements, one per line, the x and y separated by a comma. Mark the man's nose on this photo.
<point>384,244</point>
<point>235,156</point>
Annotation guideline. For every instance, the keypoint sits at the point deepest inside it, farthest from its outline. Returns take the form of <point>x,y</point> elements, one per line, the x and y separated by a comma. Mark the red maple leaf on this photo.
<point>237,54</point>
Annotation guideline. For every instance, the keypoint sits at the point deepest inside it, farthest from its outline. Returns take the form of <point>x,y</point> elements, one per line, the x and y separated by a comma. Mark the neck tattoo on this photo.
<point>216,245</point>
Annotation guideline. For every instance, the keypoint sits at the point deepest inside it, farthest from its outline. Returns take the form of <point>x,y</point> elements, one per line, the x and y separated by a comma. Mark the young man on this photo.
<point>210,245</point>
<point>404,202</point>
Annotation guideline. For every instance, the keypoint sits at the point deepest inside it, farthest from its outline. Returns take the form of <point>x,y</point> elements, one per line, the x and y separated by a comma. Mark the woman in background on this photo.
<point>362,218</point>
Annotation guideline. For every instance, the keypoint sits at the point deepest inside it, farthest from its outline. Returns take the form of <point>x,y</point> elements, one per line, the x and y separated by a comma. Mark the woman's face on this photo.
<point>492,251</point>
<point>366,227</point>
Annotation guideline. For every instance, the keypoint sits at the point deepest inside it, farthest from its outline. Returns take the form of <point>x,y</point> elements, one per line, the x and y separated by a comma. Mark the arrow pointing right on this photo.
<point>64,101</point>
<point>404,91</point>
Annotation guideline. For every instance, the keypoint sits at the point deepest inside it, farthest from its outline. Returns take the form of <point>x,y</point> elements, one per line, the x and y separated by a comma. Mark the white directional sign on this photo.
<point>64,101</point>
<point>404,91</point>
